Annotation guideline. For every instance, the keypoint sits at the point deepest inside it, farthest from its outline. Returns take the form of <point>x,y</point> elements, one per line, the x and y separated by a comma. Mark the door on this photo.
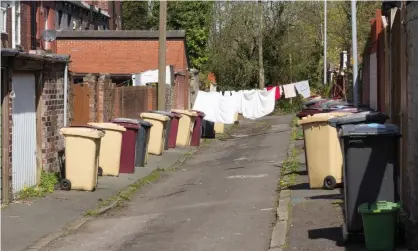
<point>81,107</point>
<point>23,131</point>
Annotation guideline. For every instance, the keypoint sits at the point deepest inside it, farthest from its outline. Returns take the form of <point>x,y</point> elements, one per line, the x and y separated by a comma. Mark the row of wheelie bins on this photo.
<point>359,153</point>
<point>111,148</point>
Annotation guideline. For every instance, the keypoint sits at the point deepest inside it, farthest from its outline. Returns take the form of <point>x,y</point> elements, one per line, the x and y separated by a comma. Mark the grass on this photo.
<point>46,186</point>
<point>127,193</point>
<point>291,164</point>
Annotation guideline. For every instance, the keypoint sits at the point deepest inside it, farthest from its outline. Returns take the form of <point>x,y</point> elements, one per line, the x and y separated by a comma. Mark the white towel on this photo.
<point>303,88</point>
<point>258,103</point>
<point>238,100</point>
<point>289,91</point>
<point>217,108</point>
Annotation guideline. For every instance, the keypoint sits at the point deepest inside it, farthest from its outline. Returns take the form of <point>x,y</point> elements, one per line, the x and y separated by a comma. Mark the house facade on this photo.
<point>389,83</point>
<point>35,84</point>
<point>23,22</point>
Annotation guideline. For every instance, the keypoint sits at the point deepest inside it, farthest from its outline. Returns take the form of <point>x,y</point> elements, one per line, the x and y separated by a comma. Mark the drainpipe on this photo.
<point>33,26</point>
<point>65,93</point>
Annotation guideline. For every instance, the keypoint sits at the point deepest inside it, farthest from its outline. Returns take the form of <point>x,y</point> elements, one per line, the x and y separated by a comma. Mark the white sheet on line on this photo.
<point>237,96</point>
<point>303,88</point>
<point>289,91</point>
<point>217,108</point>
<point>258,103</point>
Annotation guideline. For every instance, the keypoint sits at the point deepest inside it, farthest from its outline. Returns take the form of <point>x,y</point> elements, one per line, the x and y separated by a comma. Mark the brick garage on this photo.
<point>48,71</point>
<point>122,53</point>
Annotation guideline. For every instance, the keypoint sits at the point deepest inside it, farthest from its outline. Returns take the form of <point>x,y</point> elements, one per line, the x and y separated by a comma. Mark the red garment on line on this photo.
<point>277,96</point>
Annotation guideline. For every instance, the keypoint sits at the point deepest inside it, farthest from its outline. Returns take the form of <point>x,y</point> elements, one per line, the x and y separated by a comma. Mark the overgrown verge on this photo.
<point>46,186</point>
<point>126,194</point>
<point>291,164</point>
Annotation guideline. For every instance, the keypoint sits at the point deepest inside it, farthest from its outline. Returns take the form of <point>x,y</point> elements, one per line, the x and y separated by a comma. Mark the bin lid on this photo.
<point>360,117</point>
<point>125,120</point>
<point>82,132</point>
<point>378,207</point>
<point>185,112</point>
<point>154,116</point>
<point>108,126</point>
<point>136,121</point>
<point>169,114</point>
<point>144,123</point>
<point>199,113</point>
<point>127,124</point>
<point>369,129</point>
<point>320,117</point>
<point>88,126</point>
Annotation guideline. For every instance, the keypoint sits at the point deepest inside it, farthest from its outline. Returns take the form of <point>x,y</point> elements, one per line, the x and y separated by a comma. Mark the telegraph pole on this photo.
<point>260,47</point>
<point>162,56</point>
<point>354,53</point>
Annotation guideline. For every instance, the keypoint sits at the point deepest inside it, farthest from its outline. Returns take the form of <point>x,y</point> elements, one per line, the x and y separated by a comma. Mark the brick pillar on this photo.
<point>90,81</point>
<point>117,112</point>
<point>103,80</point>
<point>149,98</point>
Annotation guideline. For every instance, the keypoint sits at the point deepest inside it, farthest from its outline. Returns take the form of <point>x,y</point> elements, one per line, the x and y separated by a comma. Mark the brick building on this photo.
<point>34,107</point>
<point>120,52</point>
<point>23,22</point>
<point>389,83</point>
<point>123,53</point>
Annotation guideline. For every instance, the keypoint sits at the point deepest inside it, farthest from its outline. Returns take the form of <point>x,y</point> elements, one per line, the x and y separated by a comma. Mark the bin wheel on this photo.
<point>345,235</point>
<point>330,183</point>
<point>100,172</point>
<point>65,185</point>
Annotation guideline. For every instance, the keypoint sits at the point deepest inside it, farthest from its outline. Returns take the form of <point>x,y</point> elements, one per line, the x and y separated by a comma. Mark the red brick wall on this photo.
<point>25,25</point>
<point>120,56</point>
<point>181,91</point>
<point>52,112</point>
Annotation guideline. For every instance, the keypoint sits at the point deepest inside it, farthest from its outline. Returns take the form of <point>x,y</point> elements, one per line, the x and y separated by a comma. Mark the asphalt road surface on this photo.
<point>222,198</point>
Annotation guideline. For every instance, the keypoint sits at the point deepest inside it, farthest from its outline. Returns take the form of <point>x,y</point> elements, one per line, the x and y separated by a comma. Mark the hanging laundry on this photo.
<point>277,96</point>
<point>303,88</point>
<point>217,107</point>
<point>258,103</point>
<point>289,91</point>
<point>238,100</point>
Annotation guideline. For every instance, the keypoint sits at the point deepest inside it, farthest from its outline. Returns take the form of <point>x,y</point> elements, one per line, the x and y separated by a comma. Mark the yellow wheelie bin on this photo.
<point>322,151</point>
<point>157,133</point>
<point>110,150</point>
<point>186,124</point>
<point>82,147</point>
<point>219,128</point>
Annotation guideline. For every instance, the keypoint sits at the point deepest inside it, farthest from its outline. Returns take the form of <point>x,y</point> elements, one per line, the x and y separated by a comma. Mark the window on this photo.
<point>16,24</point>
<point>3,18</point>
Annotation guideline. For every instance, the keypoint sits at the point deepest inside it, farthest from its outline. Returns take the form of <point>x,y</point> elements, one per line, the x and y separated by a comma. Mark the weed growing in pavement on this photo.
<point>127,193</point>
<point>46,186</point>
<point>291,164</point>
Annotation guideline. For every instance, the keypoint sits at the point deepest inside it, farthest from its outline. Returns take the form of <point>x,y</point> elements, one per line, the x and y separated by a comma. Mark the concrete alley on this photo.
<point>222,198</point>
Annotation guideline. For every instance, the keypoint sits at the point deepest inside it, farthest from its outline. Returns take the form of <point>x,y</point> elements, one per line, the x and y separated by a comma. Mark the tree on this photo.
<point>195,17</point>
<point>135,15</point>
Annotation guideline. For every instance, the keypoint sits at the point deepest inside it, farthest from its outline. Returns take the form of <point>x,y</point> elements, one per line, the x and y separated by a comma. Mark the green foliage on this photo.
<point>135,15</point>
<point>222,37</point>
<point>46,186</point>
<point>195,17</point>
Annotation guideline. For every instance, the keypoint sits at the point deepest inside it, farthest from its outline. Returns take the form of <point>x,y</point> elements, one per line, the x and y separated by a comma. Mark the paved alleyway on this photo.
<point>223,198</point>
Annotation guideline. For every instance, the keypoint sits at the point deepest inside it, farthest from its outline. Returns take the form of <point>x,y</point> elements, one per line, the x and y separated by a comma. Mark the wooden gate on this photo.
<point>81,106</point>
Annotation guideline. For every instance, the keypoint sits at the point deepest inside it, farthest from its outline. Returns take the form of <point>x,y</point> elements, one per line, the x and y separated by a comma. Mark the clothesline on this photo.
<point>221,107</point>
